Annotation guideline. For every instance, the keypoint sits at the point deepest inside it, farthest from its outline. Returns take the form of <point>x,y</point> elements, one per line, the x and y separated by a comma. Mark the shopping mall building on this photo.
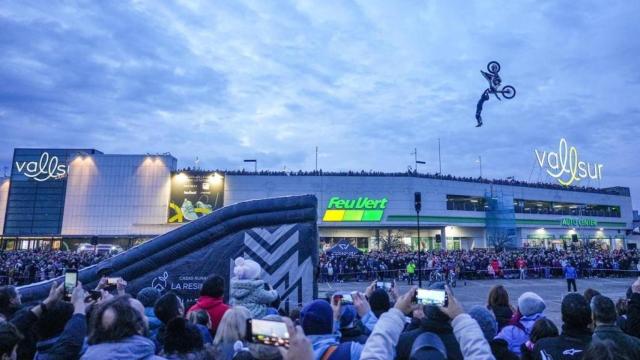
<point>61,198</point>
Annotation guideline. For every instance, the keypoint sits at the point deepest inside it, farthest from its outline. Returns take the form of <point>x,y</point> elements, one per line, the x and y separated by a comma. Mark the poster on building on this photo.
<point>194,194</point>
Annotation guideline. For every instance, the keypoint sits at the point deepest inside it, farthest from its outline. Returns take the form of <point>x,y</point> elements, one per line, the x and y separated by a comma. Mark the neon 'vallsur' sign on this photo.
<point>48,167</point>
<point>565,166</point>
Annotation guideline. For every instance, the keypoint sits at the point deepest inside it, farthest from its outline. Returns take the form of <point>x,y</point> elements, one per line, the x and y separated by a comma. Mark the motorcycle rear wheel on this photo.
<point>508,92</point>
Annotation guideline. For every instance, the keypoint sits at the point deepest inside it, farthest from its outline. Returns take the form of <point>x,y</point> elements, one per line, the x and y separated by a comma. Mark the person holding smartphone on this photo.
<point>62,327</point>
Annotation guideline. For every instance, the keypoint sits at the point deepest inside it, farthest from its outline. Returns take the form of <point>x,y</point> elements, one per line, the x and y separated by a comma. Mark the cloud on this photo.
<point>366,81</point>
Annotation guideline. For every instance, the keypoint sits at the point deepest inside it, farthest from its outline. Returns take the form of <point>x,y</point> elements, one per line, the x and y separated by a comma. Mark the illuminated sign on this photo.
<point>565,166</point>
<point>354,210</point>
<point>193,195</point>
<point>48,167</point>
<point>579,222</point>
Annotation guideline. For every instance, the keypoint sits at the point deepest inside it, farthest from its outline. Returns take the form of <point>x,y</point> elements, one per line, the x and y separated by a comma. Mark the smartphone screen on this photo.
<point>267,332</point>
<point>112,281</point>
<point>70,282</point>
<point>431,297</point>
<point>346,299</point>
<point>384,285</point>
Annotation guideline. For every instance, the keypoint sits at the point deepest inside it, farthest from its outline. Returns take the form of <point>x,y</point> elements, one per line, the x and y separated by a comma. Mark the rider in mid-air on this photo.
<point>494,82</point>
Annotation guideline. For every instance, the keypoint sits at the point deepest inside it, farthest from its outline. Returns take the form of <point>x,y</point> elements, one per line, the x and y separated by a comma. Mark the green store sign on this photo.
<point>361,209</point>
<point>579,222</point>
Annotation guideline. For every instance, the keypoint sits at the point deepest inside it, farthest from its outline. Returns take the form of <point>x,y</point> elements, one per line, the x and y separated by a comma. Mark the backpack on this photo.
<point>338,352</point>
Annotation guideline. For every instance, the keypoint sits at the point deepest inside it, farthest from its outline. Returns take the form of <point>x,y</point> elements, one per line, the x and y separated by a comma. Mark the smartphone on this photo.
<point>384,285</point>
<point>266,332</point>
<point>113,281</point>
<point>70,282</point>
<point>345,299</point>
<point>94,295</point>
<point>431,297</point>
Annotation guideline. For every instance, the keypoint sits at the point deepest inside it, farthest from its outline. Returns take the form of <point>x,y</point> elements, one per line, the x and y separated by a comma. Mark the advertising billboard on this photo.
<point>194,194</point>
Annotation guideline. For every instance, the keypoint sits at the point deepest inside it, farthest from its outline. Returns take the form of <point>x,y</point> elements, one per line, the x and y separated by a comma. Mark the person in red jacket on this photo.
<point>211,300</point>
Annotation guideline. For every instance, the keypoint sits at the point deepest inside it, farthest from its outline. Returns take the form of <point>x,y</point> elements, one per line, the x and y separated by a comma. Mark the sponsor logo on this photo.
<point>361,209</point>
<point>160,283</point>
<point>47,167</point>
<point>579,222</point>
<point>566,167</point>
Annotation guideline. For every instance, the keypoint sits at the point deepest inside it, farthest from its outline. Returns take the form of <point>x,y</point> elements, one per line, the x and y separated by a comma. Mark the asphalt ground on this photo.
<point>475,292</point>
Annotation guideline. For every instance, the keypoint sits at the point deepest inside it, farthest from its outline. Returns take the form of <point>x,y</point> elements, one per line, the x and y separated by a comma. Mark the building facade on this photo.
<point>64,197</point>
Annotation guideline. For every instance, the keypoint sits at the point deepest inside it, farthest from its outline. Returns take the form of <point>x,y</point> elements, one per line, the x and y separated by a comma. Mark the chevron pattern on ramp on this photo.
<point>278,253</point>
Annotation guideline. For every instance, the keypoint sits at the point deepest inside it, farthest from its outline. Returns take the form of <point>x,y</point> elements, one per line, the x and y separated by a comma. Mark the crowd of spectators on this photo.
<point>378,323</point>
<point>26,266</point>
<point>478,263</point>
<point>412,173</point>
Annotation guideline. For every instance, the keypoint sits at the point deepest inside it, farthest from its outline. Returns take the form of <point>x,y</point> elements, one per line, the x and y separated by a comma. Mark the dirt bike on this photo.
<point>507,91</point>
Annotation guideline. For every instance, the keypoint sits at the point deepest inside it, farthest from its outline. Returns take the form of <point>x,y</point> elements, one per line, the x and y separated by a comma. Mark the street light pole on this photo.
<point>417,196</point>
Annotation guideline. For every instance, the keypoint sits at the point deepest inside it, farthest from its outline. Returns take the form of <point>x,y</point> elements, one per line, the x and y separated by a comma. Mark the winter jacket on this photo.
<point>132,348</point>
<point>570,345</point>
<point>384,338</point>
<point>68,345</point>
<point>629,344</point>
<point>503,315</point>
<point>215,307</point>
<point>320,344</point>
<point>442,328</point>
<point>570,272</point>
<point>471,339</point>
<point>154,322</point>
<point>516,335</point>
<point>252,295</point>
<point>633,316</point>
<point>25,320</point>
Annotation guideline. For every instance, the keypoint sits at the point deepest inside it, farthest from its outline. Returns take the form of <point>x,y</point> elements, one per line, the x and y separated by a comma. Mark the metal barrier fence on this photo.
<point>529,273</point>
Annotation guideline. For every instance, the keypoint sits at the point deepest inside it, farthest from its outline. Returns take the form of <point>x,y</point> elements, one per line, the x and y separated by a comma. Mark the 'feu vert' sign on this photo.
<point>579,222</point>
<point>355,210</point>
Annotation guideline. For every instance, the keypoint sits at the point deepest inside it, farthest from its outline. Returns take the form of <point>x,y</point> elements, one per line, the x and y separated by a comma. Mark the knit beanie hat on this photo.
<point>347,316</point>
<point>246,269</point>
<point>148,296</point>
<point>530,303</point>
<point>486,320</point>
<point>317,318</point>
<point>379,302</point>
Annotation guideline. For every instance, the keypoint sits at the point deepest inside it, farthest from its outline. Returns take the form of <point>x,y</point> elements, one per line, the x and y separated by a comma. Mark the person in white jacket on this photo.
<point>383,340</point>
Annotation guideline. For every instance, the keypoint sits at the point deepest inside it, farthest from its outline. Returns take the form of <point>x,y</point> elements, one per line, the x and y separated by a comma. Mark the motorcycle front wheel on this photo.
<point>493,67</point>
<point>509,92</point>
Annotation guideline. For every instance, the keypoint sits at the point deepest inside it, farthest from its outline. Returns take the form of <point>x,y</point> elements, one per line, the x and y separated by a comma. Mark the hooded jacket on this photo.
<point>215,307</point>
<point>133,348</point>
<point>516,335</point>
<point>252,295</point>
<point>439,326</point>
<point>569,345</point>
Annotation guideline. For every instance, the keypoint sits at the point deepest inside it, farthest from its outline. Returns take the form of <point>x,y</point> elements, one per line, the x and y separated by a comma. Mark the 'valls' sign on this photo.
<point>566,167</point>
